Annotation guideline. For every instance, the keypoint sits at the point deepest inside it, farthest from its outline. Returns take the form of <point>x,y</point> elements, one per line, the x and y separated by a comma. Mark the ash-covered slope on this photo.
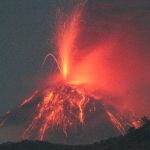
<point>96,126</point>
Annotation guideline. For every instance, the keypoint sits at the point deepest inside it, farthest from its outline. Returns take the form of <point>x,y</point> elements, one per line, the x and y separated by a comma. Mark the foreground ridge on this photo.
<point>135,139</point>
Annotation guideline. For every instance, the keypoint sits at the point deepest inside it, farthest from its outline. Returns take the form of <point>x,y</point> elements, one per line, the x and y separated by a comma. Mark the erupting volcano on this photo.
<point>68,106</point>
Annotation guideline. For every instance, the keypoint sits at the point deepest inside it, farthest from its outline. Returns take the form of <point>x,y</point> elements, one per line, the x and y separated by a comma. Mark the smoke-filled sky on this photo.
<point>120,27</point>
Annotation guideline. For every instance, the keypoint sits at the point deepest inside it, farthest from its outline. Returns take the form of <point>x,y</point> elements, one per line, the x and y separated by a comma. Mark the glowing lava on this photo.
<point>61,107</point>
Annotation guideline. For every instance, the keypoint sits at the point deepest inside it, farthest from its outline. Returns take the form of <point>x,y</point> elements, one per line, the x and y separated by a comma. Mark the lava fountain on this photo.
<point>66,105</point>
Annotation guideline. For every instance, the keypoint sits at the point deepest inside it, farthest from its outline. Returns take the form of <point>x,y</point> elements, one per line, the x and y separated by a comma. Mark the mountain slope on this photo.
<point>97,125</point>
<point>138,139</point>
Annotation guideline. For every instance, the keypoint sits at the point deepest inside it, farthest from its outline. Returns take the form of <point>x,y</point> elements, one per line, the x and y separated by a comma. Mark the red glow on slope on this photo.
<point>62,107</point>
<point>116,123</point>
<point>27,100</point>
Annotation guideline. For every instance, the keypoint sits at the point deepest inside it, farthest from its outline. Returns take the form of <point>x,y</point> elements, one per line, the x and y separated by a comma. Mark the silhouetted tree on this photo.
<point>145,120</point>
<point>131,129</point>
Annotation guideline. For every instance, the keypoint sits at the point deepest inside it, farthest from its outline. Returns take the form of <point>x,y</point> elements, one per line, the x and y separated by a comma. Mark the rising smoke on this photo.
<point>113,52</point>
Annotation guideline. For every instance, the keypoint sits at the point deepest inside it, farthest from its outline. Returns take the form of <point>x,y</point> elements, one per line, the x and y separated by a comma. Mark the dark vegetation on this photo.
<point>135,139</point>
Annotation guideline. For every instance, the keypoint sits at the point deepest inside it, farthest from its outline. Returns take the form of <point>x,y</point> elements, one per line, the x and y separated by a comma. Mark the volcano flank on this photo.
<point>59,114</point>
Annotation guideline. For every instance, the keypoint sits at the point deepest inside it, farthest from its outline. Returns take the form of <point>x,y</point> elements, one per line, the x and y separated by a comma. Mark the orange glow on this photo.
<point>117,123</point>
<point>66,42</point>
<point>66,39</point>
<point>61,107</point>
<point>27,100</point>
<point>137,123</point>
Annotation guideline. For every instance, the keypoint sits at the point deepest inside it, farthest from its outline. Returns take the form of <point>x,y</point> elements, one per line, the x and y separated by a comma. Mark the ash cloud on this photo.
<point>119,32</point>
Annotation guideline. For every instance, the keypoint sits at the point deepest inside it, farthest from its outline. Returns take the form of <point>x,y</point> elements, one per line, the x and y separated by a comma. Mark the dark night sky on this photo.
<point>26,29</point>
<point>26,36</point>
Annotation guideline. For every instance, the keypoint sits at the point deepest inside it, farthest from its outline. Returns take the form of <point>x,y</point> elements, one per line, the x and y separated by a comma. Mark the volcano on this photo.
<point>70,109</point>
<point>62,113</point>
